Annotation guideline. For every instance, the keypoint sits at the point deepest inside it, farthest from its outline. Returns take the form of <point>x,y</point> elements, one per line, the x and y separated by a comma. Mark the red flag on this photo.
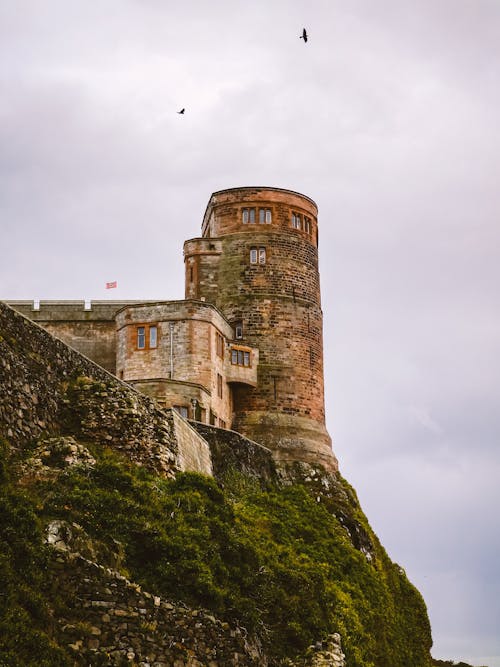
<point>111,285</point>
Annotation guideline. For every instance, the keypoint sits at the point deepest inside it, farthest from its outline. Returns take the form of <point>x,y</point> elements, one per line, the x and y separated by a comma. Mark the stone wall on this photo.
<point>48,388</point>
<point>109,620</point>
<point>231,450</point>
<point>88,327</point>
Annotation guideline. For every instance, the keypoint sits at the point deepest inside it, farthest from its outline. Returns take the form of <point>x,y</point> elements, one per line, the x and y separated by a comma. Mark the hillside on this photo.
<point>110,556</point>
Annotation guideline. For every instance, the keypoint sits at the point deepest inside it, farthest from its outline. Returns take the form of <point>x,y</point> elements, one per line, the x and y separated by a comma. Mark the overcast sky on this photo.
<point>389,119</point>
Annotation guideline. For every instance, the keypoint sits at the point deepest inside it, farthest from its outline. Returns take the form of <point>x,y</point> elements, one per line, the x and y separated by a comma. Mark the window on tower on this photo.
<point>265,216</point>
<point>296,221</point>
<point>248,216</point>
<point>238,329</point>
<point>258,255</point>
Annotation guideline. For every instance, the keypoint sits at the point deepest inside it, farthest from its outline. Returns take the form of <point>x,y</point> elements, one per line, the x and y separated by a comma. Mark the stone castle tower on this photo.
<point>257,261</point>
<point>244,350</point>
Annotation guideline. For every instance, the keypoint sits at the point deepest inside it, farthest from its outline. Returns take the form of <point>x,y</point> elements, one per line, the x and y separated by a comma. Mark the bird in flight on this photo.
<point>304,35</point>
<point>182,110</point>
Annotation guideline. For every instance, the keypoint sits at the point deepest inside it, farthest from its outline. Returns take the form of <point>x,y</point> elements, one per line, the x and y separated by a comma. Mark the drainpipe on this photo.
<point>171,350</point>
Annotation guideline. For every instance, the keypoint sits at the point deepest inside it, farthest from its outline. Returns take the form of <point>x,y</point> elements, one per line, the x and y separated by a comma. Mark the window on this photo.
<point>248,216</point>
<point>258,255</point>
<point>307,224</point>
<point>265,216</point>
<point>296,221</point>
<point>219,385</point>
<point>219,344</point>
<point>240,357</point>
<point>153,336</point>
<point>141,338</point>
<point>183,410</point>
<point>238,329</point>
<point>222,423</point>
<point>147,337</point>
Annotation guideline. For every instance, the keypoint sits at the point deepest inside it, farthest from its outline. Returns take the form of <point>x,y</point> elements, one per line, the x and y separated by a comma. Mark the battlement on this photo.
<point>69,310</point>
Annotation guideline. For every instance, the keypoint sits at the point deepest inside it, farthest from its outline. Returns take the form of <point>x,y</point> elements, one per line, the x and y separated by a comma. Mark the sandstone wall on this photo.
<point>48,388</point>
<point>87,327</point>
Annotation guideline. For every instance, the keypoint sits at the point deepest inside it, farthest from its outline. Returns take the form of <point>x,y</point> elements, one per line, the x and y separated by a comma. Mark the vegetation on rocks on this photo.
<point>290,563</point>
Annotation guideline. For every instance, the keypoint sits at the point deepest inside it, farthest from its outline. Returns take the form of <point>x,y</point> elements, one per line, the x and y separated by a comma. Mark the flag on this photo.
<point>111,285</point>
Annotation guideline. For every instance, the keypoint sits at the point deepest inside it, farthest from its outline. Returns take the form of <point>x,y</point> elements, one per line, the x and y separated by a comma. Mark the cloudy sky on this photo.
<point>388,119</point>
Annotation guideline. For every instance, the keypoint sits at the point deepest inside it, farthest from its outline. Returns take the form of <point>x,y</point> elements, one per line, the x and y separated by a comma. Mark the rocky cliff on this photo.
<point>113,553</point>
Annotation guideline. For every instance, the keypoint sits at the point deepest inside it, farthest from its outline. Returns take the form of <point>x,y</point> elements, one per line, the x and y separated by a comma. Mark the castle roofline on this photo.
<point>259,188</point>
<point>198,302</point>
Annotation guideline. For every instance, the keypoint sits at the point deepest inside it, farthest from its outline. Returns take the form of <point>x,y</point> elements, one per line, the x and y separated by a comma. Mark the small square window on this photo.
<point>238,329</point>
<point>183,410</point>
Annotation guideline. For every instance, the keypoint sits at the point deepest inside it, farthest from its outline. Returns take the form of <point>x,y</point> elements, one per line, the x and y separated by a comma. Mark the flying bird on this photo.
<point>182,110</point>
<point>304,35</point>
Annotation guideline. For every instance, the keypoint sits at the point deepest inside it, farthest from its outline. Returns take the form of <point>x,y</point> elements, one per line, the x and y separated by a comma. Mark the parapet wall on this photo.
<point>86,326</point>
<point>47,388</point>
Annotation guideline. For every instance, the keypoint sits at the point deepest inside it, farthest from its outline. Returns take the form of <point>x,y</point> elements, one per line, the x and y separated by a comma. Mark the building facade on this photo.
<point>244,350</point>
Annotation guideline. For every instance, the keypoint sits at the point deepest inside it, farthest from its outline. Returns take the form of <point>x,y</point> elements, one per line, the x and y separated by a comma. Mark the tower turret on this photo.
<point>257,261</point>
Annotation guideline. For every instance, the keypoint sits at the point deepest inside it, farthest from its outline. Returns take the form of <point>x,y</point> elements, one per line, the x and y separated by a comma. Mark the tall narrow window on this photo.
<point>219,385</point>
<point>296,221</point>
<point>141,338</point>
<point>238,329</point>
<point>307,224</point>
<point>219,344</point>
<point>253,256</point>
<point>153,336</point>
<point>262,255</point>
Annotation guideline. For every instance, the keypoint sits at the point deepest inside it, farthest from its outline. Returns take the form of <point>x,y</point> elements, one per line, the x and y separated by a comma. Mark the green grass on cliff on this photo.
<point>278,561</point>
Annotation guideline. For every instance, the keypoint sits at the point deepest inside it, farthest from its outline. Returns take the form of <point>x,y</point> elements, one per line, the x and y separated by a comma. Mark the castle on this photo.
<point>244,350</point>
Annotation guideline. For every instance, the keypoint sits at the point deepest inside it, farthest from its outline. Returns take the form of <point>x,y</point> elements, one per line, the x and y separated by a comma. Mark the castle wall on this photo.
<point>88,327</point>
<point>47,388</point>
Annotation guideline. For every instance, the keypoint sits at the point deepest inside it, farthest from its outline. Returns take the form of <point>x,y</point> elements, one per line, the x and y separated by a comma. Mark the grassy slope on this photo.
<point>278,560</point>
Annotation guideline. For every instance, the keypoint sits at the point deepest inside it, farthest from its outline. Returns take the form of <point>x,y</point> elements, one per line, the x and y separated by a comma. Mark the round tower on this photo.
<point>257,261</point>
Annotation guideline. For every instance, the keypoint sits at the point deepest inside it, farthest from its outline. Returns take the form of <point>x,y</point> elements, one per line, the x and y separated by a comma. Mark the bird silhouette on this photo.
<point>304,35</point>
<point>182,110</point>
